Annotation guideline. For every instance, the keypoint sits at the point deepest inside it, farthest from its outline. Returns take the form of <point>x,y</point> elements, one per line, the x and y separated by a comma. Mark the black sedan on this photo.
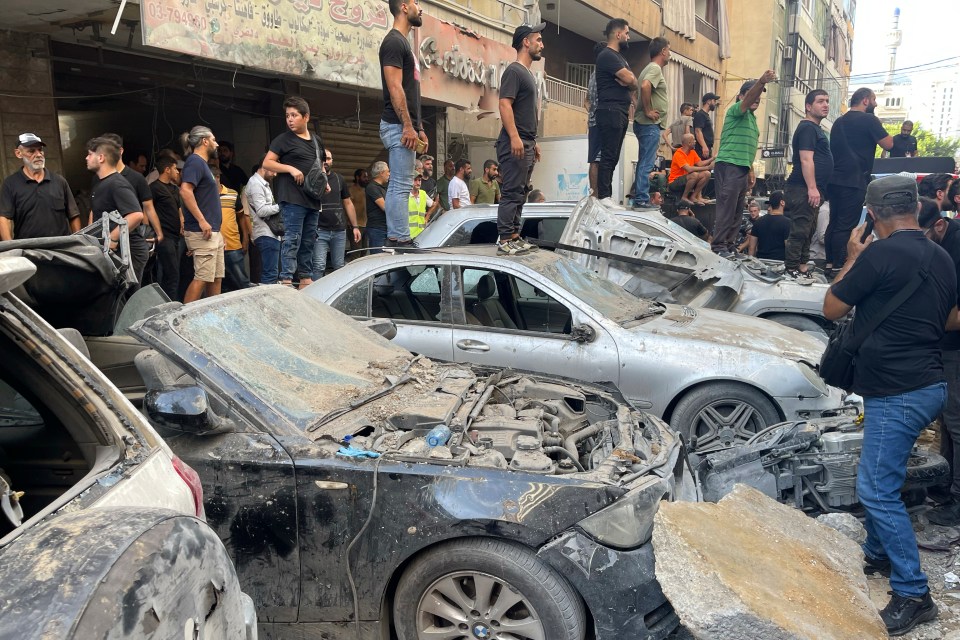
<point>363,491</point>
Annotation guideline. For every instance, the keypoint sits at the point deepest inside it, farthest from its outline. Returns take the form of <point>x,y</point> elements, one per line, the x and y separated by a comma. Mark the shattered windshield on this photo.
<point>598,292</point>
<point>298,355</point>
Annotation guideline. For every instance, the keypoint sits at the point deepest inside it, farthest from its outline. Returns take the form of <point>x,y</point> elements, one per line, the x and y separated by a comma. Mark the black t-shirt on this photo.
<point>376,217</point>
<point>771,232</point>
<point>38,209</point>
<point>853,142</point>
<point>692,225</point>
<point>293,150</point>
<point>951,244</point>
<point>113,193</point>
<point>430,186</point>
<point>233,177</point>
<point>166,200</point>
<point>610,93</point>
<point>903,353</point>
<point>810,137</point>
<point>517,83</point>
<point>395,51</point>
<point>902,145</point>
<point>701,120</point>
<point>136,180</point>
<point>332,215</point>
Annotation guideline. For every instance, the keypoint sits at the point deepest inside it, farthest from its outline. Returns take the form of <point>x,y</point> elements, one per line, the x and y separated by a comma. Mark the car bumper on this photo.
<point>249,616</point>
<point>835,403</point>
<point>619,588</point>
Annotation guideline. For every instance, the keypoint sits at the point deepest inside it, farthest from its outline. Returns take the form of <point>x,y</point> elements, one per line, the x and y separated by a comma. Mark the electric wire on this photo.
<point>366,523</point>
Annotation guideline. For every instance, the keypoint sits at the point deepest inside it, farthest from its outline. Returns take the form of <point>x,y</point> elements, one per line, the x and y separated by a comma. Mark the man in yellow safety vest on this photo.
<point>420,207</point>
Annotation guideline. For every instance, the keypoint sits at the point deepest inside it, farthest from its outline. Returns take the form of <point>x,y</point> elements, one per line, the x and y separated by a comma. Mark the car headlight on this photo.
<point>813,377</point>
<point>628,522</point>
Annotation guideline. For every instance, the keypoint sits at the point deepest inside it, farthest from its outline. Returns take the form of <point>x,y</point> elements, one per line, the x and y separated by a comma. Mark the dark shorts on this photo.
<point>678,184</point>
<point>593,144</point>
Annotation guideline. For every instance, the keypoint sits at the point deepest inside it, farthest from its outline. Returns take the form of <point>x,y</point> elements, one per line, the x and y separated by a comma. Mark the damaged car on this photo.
<point>716,377</point>
<point>655,257</point>
<point>359,487</point>
<point>102,532</point>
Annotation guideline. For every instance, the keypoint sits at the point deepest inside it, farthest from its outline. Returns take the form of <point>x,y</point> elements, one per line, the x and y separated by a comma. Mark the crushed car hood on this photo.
<point>744,332</point>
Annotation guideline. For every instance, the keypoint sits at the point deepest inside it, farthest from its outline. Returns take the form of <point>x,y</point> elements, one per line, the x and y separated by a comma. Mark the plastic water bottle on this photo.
<point>438,435</point>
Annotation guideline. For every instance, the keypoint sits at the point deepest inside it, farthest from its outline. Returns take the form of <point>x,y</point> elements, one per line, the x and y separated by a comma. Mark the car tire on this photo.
<point>711,416</point>
<point>446,579</point>
<point>926,470</point>
<point>798,322</point>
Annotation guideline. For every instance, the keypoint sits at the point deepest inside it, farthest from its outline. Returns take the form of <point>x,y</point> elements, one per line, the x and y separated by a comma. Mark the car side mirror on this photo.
<point>185,407</point>
<point>583,333</point>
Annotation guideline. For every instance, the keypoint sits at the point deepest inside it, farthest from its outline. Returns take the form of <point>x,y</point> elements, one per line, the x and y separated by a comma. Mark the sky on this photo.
<point>926,27</point>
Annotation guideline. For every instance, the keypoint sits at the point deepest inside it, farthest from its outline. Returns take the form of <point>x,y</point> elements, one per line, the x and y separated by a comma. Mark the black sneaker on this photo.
<point>904,613</point>
<point>876,565</point>
<point>947,515</point>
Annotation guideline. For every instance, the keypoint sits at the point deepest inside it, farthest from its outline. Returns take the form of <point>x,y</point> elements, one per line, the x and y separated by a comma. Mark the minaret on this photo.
<point>894,38</point>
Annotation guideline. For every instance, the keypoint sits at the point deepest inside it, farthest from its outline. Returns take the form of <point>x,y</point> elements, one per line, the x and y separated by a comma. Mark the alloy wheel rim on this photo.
<point>725,422</point>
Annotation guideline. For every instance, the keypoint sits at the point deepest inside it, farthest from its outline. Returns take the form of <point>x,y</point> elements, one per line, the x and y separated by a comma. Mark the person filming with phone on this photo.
<point>903,288</point>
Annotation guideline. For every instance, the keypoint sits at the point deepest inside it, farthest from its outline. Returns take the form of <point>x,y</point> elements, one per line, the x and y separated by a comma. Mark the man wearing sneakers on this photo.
<point>517,147</point>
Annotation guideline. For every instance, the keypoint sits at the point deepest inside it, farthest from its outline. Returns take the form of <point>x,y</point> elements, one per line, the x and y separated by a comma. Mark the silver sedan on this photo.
<point>715,376</point>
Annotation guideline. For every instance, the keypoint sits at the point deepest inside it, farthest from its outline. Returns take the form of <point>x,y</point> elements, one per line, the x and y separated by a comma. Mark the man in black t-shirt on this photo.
<point>401,126</point>
<point>337,215</point>
<point>688,221</point>
<point>853,142</point>
<point>517,147</point>
<point>376,192</point>
<point>807,185</point>
<point>616,96</point>
<point>166,201</point>
<point>904,144</point>
<point>768,234</point>
<point>898,371</point>
<point>703,126</point>
<point>231,175</point>
<point>946,233</point>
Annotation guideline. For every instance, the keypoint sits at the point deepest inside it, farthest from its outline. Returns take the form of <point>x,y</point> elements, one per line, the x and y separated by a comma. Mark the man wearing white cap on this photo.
<point>34,202</point>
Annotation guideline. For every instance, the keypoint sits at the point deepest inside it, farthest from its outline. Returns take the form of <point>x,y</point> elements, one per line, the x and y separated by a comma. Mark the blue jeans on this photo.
<point>235,273</point>
<point>401,162</point>
<point>377,237</point>
<point>891,425</point>
<point>270,258</point>
<point>648,137</point>
<point>300,233</point>
<point>329,242</point>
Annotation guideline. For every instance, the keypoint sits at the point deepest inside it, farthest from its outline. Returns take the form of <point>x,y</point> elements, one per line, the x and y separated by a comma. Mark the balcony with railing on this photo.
<point>565,93</point>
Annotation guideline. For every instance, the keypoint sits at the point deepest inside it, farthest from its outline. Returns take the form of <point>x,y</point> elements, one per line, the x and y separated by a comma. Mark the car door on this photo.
<point>413,297</point>
<point>509,320</point>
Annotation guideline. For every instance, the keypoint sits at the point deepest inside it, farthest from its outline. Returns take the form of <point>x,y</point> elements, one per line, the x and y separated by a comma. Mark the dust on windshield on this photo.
<point>298,355</point>
<point>598,292</point>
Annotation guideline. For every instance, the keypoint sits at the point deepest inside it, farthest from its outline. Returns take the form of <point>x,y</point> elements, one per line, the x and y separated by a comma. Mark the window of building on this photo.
<point>809,68</point>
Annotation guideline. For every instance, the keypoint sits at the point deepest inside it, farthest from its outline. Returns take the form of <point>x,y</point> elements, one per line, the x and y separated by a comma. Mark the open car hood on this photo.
<point>658,267</point>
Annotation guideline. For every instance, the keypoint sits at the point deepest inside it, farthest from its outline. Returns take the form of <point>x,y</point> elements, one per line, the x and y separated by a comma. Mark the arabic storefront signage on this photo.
<point>329,40</point>
<point>332,40</point>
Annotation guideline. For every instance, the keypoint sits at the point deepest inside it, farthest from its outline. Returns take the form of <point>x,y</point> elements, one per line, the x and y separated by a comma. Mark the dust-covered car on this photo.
<point>716,377</point>
<point>356,483</point>
<point>676,266</point>
<point>101,532</point>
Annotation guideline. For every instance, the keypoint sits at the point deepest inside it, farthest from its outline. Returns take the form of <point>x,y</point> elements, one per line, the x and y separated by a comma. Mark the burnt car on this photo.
<point>101,525</point>
<point>360,488</point>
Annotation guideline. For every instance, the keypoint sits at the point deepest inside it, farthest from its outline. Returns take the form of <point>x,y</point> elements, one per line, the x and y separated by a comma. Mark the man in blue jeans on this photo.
<point>336,216</point>
<point>899,372</point>
<point>401,126</point>
<point>650,118</point>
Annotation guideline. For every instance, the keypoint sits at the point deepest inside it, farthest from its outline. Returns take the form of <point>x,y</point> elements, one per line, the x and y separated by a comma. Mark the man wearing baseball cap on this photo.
<point>703,126</point>
<point>898,370</point>
<point>34,202</point>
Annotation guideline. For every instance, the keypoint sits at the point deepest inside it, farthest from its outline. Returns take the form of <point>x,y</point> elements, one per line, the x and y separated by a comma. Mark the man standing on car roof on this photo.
<point>517,147</point>
<point>616,97</point>
<point>899,373</point>
<point>34,202</point>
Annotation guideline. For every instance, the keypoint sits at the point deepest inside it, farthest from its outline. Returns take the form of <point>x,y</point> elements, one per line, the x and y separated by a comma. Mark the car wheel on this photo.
<point>485,588</point>
<point>798,322</point>
<point>716,416</point>
<point>925,471</point>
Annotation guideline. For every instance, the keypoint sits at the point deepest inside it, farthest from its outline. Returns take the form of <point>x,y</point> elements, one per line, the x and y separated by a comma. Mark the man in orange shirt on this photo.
<point>235,245</point>
<point>688,173</point>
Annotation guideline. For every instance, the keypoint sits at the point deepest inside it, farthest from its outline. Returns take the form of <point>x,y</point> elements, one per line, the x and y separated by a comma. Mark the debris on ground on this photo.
<point>750,567</point>
<point>845,523</point>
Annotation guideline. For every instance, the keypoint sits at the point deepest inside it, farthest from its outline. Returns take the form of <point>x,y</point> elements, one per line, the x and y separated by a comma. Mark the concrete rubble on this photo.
<point>750,567</point>
<point>845,523</point>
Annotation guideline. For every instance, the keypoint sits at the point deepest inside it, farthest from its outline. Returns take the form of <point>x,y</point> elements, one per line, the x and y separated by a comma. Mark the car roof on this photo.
<point>488,251</point>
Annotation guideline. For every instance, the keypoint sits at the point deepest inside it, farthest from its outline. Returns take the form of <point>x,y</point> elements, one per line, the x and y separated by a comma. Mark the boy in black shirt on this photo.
<point>166,201</point>
<point>769,233</point>
<point>807,184</point>
<point>517,147</point>
<point>898,371</point>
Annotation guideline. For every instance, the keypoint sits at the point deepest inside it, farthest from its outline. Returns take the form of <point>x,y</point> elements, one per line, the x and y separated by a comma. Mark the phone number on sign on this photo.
<point>169,14</point>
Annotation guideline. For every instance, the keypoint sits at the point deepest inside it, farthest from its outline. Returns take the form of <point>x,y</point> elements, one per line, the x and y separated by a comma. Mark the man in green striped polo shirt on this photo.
<point>738,148</point>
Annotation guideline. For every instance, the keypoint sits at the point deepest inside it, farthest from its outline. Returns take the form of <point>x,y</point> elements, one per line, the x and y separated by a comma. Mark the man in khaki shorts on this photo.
<point>202,216</point>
